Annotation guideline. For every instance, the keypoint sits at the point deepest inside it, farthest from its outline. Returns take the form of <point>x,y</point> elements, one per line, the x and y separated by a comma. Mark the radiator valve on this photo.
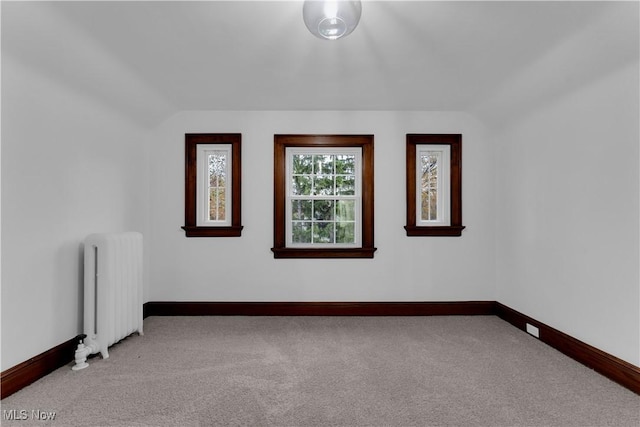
<point>81,354</point>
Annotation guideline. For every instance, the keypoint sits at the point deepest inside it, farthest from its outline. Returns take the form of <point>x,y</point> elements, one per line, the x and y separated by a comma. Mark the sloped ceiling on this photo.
<point>151,59</point>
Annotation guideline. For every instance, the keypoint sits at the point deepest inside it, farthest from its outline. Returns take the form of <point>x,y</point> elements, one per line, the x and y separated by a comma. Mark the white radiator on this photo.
<point>112,289</point>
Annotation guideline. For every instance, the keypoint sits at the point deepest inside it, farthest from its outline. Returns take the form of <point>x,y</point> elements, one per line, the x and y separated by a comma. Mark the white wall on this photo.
<point>243,269</point>
<point>70,167</point>
<point>568,214</point>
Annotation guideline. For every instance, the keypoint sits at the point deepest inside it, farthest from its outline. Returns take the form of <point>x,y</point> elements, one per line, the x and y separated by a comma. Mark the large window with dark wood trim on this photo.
<point>323,196</point>
<point>212,185</point>
<point>434,179</point>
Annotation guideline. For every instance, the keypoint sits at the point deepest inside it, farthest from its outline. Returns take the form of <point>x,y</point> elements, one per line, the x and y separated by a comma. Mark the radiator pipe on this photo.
<point>82,352</point>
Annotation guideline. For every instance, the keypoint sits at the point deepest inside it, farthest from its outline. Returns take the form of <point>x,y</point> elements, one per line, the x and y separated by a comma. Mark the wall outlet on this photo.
<point>533,330</point>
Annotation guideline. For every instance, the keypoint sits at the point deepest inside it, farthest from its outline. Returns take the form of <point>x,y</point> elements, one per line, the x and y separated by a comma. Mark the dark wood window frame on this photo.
<point>455,142</point>
<point>192,140</point>
<point>281,143</point>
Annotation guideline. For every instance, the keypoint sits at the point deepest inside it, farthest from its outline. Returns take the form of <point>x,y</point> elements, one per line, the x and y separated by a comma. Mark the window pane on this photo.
<point>213,204</point>
<point>302,164</point>
<point>323,164</point>
<point>301,232</point>
<point>345,185</point>
<point>323,232</point>
<point>301,209</point>
<point>345,164</point>
<point>217,168</point>
<point>345,210</point>
<point>430,205</point>
<point>345,232</point>
<point>429,184</point>
<point>217,180</point>
<point>323,210</point>
<point>323,185</point>
<point>217,204</point>
<point>301,185</point>
<point>222,203</point>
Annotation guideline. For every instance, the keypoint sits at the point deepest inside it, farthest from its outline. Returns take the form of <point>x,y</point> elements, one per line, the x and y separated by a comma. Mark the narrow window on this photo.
<point>432,185</point>
<point>323,196</point>
<point>434,197</point>
<point>212,185</point>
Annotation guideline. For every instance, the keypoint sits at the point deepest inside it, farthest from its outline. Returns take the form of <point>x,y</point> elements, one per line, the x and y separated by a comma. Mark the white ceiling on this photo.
<point>151,59</point>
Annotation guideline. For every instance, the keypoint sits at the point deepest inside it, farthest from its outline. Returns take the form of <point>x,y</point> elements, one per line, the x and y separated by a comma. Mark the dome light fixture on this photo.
<point>331,19</point>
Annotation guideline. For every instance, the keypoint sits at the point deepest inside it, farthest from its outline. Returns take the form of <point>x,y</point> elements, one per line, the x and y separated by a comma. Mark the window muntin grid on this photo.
<point>323,204</point>
<point>432,185</point>
<point>214,184</point>
<point>429,181</point>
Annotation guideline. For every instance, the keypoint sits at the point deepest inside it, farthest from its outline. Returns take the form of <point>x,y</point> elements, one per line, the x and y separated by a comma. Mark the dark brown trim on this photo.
<point>281,142</point>
<point>606,364</point>
<point>197,231</point>
<point>190,197</point>
<point>445,230</point>
<point>455,142</point>
<point>323,253</point>
<point>25,373</point>
<point>464,308</point>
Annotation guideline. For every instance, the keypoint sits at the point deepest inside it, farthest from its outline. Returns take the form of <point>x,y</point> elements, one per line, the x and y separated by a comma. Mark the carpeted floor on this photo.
<point>327,371</point>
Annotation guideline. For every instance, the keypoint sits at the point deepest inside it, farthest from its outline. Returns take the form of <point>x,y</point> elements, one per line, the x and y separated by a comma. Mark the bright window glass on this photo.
<point>214,184</point>
<point>323,204</point>
<point>432,185</point>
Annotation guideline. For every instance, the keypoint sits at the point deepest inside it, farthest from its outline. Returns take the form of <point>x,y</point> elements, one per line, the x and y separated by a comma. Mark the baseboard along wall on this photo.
<point>624,373</point>
<point>29,371</point>
<point>464,308</point>
<point>617,370</point>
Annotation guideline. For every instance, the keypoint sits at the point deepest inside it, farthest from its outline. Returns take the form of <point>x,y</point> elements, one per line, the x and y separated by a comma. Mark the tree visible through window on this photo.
<point>434,180</point>
<point>323,196</point>
<point>217,185</point>
<point>429,186</point>
<point>212,185</point>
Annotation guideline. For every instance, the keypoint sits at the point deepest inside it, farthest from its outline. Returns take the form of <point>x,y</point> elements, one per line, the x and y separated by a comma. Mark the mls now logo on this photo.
<point>23,414</point>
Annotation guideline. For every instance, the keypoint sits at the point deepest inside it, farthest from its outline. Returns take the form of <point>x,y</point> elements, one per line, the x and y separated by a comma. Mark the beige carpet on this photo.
<point>328,371</point>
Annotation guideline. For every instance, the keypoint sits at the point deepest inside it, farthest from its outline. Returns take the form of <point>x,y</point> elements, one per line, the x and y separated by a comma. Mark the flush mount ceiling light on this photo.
<point>331,19</point>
